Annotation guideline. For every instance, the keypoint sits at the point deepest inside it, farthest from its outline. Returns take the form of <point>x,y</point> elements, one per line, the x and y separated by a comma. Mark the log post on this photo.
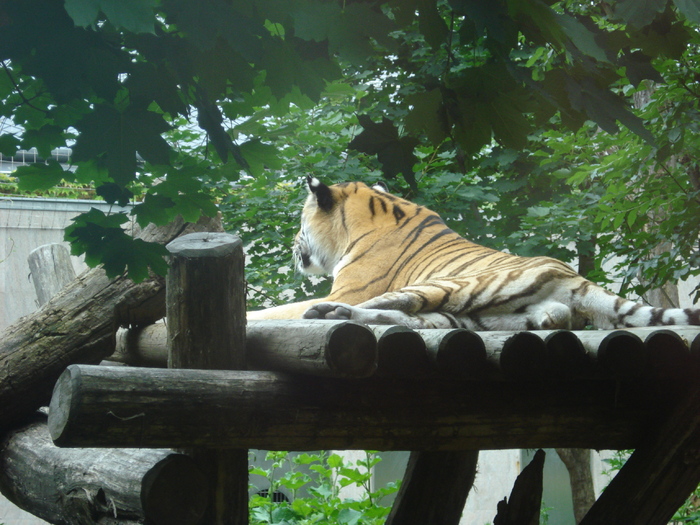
<point>51,270</point>
<point>205,302</point>
<point>76,326</point>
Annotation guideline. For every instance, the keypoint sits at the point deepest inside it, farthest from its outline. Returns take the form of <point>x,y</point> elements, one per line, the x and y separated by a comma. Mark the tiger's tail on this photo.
<point>606,310</point>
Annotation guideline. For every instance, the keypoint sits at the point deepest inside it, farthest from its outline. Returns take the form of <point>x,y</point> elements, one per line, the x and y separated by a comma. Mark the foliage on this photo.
<point>449,84</point>
<point>323,504</point>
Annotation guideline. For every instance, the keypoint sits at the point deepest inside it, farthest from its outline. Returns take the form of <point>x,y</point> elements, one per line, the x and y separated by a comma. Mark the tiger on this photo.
<point>396,262</point>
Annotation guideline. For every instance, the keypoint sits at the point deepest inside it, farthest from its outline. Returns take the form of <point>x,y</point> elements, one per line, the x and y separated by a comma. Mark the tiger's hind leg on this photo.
<point>383,317</point>
<point>547,315</point>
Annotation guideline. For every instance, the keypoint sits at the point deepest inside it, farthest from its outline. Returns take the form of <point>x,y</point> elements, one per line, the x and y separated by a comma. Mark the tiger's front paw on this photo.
<point>329,311</point>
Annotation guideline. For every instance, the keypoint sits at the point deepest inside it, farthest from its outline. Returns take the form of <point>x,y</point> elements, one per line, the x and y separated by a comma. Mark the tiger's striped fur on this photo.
<point>395,262</point>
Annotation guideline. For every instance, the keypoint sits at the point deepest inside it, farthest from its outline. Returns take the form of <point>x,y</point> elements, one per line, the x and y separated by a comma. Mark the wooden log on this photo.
<point>148,407</point>
<point>435,488</point>
<point>51,270</point>
<point>659,476</point>
<point>523,508</point>
<point>79,486</point>
<point>567,358</point>
<point>458,353</point>
<point>205,304</point>
<point>524,357</point>
<point>76,326</point>
<point>620,355</point>
<point>669,354</point>
<point>142,346</point>
<point>319,347</point>
<point>400,352</point>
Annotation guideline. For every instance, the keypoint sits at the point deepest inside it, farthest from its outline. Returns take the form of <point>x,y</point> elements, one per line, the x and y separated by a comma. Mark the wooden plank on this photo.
<point>435,488</point>
<point>125,406</point>
<point>205,302</point>
<point>659,476</point>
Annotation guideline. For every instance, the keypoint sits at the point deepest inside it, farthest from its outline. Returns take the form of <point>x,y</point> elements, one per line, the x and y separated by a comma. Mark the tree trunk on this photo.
<point>578,463</point>
<point>98,486</point>
<point>76,326</point>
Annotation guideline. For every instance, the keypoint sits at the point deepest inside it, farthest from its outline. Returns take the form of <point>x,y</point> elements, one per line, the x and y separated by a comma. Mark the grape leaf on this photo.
<point>41,176</point>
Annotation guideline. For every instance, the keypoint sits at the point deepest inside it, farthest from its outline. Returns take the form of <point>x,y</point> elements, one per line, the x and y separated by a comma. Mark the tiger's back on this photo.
<point>396,262</point>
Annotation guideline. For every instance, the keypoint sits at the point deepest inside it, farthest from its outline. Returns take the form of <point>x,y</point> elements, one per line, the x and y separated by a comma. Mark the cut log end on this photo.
<point>178,475</point>
<point>352,350</point>
<point>205,244</point>
<point>61,402</point>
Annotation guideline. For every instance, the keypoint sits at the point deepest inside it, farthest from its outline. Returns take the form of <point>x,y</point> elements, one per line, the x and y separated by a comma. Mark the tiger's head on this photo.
<point>331,218</point>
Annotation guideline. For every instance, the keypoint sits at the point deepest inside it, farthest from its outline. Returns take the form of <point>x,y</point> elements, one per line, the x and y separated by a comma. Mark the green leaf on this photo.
<point>639,13</point>
<point>37,177</point>
<point>260,156</point>
<point>582,37</point>
<point>116,137</point>
<point>396,154</point>
<point>44,139</point>
<point>349,517</point>
<point>137,16</point>
<point>9,144</point>
<point>103,241</point>
<point>690,9</point>
<point>334,461</point>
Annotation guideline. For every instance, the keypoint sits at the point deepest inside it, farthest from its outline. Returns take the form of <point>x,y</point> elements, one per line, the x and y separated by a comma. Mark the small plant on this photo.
<point>322,501</point>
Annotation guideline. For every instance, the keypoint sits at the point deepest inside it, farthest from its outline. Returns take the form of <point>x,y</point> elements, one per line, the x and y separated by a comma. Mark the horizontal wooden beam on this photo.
<point>144,407</point>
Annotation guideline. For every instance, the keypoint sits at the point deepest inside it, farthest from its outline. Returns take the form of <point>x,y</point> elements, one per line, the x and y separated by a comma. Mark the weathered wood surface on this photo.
<point>523,507</point>
<point>661,473</point>
<point>125,406</point>
<point>51,270</point>
<point>578,464</point>
<point>76,326</point>
<point>326,348</point>
<point>434,488</point>
<point>319,347</point>
<point>401,352</point>
<point>98,486</point>
<point>205,303</point>
<point>540,355</point>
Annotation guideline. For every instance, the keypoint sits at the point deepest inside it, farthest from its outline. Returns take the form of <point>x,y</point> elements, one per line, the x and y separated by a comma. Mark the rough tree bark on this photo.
<point>578,463</point>
<point>90,486</point>
<point>76,326</point>
<point>205,304</point>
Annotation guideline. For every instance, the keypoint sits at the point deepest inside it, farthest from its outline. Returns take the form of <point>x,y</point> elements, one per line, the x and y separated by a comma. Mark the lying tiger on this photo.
<point>395,262</point>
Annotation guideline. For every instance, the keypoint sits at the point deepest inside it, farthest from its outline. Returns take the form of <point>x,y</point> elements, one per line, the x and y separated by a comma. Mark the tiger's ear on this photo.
<point>324,198</point>
<point>380,186</point>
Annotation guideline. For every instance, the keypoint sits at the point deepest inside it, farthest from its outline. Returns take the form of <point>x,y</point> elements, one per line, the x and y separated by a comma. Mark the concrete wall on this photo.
<point>26,224</point>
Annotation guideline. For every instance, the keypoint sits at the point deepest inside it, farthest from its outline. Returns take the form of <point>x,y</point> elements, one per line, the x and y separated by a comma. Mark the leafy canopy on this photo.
<point>124,82</point>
